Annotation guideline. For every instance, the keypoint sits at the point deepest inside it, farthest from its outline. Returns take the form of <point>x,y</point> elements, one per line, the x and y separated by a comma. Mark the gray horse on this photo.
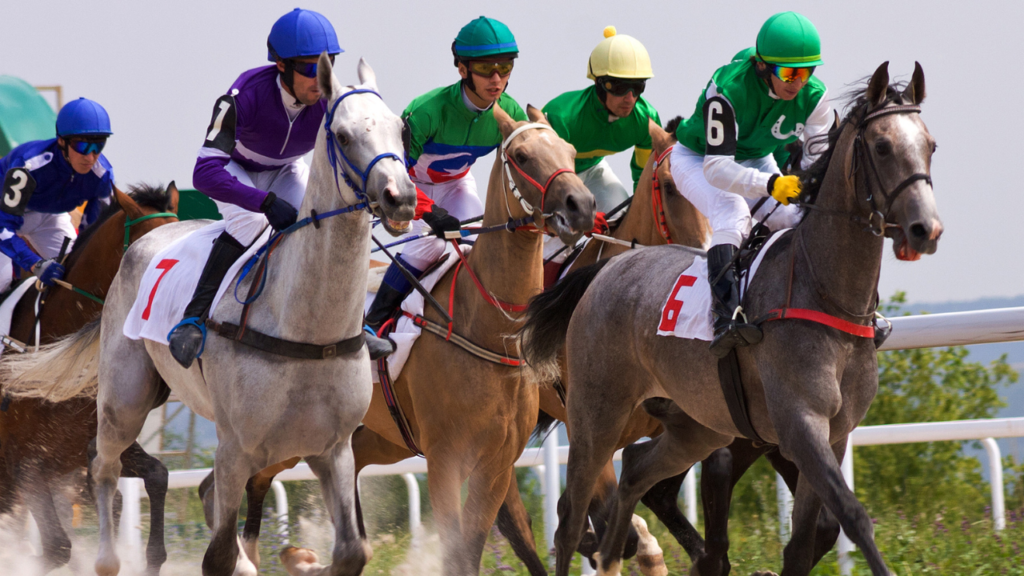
<point>267,408</point>
<point>807,384</point>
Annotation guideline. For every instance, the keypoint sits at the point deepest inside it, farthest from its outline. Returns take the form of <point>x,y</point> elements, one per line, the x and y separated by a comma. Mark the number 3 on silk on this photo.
<point>18,188</point>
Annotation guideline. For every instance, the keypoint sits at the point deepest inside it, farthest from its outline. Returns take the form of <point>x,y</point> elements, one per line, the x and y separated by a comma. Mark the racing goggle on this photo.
<point>788,74</point>
<point>620,87</point>
<point>86,147</point>
<point>307,69</point>
<point>487,69</point>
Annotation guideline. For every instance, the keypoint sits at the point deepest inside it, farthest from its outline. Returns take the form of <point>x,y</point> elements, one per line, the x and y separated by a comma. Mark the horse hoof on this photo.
<point>108,567</point>
<point>649,554</point>
<point>299,561</point>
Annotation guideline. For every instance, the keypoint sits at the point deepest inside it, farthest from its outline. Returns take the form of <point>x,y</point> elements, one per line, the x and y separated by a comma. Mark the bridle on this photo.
<point>860,151</point>
<point>335,151</point>
<point>508,161</point>
<point>128,223</point>
<point>657,202</point>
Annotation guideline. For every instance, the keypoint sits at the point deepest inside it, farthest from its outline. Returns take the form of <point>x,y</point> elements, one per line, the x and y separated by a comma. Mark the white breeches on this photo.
<point>45,232</point>
<point>287,182</point>
<point>728,213</point>
<point>460,199</point>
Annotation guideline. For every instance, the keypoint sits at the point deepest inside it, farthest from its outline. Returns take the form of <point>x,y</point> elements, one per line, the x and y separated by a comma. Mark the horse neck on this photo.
<point>508,264</point>
<point>638,221</point>
<point>846,259</point>
<point>316,283</point>
<point>93,271</point>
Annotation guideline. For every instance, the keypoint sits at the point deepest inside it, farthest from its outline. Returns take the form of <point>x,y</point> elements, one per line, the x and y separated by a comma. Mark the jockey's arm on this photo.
<point>12,245</point>
<point>642,149</point>
<point>94,206</point>
<point>820,121</point>
<point>720,167</point>
<point>210,175</point>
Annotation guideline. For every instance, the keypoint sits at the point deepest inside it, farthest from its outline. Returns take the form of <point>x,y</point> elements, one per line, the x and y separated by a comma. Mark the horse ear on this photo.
<point>505,122</point>
<point>325,76</point>
<point>915,90</point>
<point>878,85</point>
<point>660,139</point>
<point>367,78</point>
<point>536,115</point>
<point>172,197</point>
<point>127,204</point>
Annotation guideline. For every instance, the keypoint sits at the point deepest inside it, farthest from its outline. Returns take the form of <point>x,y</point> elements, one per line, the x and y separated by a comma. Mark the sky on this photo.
<point>159,67</point>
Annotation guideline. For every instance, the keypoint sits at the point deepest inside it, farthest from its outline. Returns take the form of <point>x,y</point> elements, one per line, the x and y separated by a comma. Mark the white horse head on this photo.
<point>367,130</point>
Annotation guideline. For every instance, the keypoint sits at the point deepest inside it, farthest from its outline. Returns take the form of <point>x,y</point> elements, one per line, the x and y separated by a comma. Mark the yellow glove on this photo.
<point>784,188</point>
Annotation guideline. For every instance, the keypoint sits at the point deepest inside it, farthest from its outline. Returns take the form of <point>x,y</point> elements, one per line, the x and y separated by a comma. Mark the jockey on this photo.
<point>723,161</point>
<point>608,117</point>
<point>251,161</point>
<point>448,129</point>
<point>46,179</point>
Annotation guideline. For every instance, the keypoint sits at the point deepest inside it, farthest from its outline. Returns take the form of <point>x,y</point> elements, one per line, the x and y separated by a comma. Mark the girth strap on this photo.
<point>735,399</point>
<point>280,347</point>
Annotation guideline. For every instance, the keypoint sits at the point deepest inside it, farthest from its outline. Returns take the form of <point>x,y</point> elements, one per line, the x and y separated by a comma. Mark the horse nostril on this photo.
<point>571,205</point>
<point>918,231</point>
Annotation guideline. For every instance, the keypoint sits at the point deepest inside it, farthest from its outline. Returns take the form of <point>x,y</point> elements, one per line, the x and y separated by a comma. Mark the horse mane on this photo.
<point>856,105</point>
<point>145,195</point>
<point>673,125</point>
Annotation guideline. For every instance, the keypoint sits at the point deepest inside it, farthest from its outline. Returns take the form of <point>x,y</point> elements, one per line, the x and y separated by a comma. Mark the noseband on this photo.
<point>507,161</point>
<point>876,219</point>
<point>335,151</point>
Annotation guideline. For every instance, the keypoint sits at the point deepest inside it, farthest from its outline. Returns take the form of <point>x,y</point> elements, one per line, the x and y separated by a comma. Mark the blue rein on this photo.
<point>334,151</point>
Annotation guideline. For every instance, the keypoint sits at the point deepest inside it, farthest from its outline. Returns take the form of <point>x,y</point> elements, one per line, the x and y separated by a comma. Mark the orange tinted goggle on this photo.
<point>487,69</point>
<point>789,74</point>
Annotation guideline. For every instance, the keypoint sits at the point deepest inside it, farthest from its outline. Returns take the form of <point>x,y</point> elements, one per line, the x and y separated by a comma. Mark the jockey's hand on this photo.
<point>280,213</point>
<point>48,270</point>
<point>784,188</point>
<point>440,221</point>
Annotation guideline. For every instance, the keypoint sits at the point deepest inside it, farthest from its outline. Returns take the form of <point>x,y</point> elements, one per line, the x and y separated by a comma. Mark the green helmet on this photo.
<point>789,39</point>
<point>484,37</point>
<point>745,54</point>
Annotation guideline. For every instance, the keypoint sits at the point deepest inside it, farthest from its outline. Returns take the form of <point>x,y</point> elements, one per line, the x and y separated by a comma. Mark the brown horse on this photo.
<point>42,442</point>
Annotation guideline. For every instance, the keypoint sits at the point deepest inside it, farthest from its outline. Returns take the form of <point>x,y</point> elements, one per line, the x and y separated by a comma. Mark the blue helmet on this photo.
<point>83,117</point>
<point>301,33</point>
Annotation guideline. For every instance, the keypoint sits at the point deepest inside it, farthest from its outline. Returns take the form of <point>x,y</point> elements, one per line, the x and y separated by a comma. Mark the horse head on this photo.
<point>367,152</point>
<point>543,180</point>
<point>895,159</point>
<point>687,225</point>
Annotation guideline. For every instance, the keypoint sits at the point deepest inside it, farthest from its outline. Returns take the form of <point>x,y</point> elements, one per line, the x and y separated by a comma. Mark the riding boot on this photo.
<point>188,338</point>
<point>729,332</point>
<point>393,290</point>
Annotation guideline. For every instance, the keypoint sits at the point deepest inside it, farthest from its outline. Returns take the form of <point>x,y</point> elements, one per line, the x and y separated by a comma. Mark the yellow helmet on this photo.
<point>620,56</point>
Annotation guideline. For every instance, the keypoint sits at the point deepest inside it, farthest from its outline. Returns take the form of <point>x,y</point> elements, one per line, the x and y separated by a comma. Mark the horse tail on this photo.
<point>544,422</point>
<point>57,372</point>
<point>547,320</point>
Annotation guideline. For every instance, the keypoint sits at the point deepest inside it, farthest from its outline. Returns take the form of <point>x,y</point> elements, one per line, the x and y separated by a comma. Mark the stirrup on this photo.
<point>193,321</point>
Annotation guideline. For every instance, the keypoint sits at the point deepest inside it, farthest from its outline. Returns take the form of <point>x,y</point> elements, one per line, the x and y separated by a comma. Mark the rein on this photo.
<point>657,202</point>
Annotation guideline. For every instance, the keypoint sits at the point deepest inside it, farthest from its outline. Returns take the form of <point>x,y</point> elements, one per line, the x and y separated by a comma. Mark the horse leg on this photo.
<point>517,526</point>
<point>336,471</point>
<point>39,497</point>
<point>684,443</point>
<point>444,481</point>
<point>487,489</point>
<point>803,439</point>
<point>799,554</point>
<point>827,525</point>
<point>231,470</point>
<point>256,493</point>
<point>138,464</point>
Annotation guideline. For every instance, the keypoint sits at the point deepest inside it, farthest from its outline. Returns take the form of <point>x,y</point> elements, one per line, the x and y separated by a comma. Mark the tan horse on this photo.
<point>470,417</point>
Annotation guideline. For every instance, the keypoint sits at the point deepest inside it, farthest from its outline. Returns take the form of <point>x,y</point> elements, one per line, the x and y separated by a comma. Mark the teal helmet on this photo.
<point>482,38</point>
<point>789,39</point>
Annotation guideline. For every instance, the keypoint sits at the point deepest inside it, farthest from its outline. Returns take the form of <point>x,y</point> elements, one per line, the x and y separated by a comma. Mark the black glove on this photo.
<point>440,221</point>
<point>280,213</point>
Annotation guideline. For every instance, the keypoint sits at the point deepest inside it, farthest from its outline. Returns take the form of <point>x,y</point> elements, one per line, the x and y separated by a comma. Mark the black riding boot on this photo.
<point>729,332</point>
<point>385,303</point>
<point>186,339</point>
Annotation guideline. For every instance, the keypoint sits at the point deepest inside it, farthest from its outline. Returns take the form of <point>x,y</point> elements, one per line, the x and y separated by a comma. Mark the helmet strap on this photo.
<point>63,148</point>
<point>602,94</point>
<point>288,77</point>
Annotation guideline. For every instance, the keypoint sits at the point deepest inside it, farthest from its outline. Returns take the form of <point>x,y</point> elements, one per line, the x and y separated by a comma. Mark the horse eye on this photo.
<point>342,139</point>
<point>883,148</point>
<point>521,158</point>
<point>934,147</point>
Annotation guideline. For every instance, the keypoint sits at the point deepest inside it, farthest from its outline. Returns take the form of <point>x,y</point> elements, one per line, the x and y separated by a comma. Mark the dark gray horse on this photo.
<point>808,385</point>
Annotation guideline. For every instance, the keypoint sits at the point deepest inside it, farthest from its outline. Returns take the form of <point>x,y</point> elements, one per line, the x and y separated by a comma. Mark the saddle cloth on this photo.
<point>9,303</point>
<point>687,309</point>
<point>406,332</point>
<point>171,278</point>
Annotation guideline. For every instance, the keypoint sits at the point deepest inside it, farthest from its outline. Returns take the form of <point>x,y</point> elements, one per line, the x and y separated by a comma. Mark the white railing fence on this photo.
<point>924,331</point>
